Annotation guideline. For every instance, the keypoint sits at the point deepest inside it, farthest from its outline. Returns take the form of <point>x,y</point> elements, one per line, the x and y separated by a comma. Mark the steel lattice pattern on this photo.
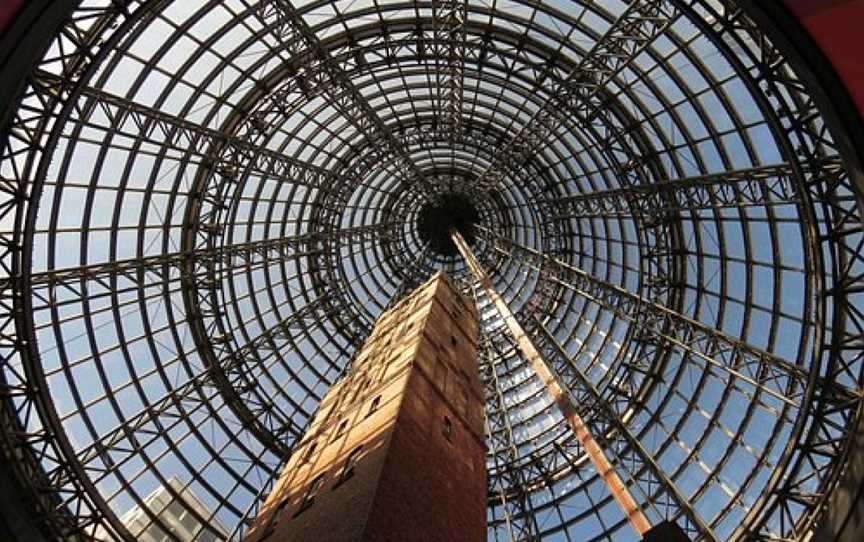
<point>208,203</point>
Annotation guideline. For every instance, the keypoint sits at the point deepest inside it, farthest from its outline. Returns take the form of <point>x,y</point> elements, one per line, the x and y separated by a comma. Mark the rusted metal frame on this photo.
<point>614,435</point>
<point>631,33</point>
<point>631,509</point>
<point>449,35</point>
<point>33,439</point>
<point>658,234</point>
<point>643,475</point>
<point>814,467</point>
<point>511,493</point>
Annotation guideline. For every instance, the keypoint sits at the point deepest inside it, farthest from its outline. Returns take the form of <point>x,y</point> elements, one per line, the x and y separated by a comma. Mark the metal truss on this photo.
<point>205,205</point>
<point>835,400</point>
<point>769,373</point>
<point>450,17</point>
<point>511,505</point>
<point>764,186</point>
<point>580,94</point>
<point>67,503</point>
<point>615,438</point>
<point>321,74</point>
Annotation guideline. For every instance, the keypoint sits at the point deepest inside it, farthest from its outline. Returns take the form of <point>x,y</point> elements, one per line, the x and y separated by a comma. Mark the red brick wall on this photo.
<point>411,483</point>
<point>449,476</point>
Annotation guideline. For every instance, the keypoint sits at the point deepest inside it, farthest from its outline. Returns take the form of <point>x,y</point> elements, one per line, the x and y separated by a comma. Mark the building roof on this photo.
<point>206,205</point>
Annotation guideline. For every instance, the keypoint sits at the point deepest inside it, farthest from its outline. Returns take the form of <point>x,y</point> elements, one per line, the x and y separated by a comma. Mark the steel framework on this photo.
<point>205,205</point>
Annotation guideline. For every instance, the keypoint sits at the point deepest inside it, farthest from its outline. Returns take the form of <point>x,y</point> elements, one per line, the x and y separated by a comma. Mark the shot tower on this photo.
<point>395,450</point>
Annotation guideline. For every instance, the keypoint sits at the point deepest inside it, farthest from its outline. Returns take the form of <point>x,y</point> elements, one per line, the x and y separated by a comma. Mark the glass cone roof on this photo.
<point>222,196</point>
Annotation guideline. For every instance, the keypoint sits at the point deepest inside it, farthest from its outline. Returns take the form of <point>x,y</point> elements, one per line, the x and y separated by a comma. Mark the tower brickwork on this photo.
<point>395,450</point>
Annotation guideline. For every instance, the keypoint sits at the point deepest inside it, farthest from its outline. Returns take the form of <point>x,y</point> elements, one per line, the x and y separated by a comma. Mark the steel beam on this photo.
<point>70,285</point>
<point>33,439</point>
<point>178,404</point>
<point>760,186</point>
<point>783,380</point>
<point>320,73</point>
<point>449,19</point>
<point>632,511</point>
<point>510,487</point>
<point>836,263</point>
<point>580,93</point>
<point>218,150</point>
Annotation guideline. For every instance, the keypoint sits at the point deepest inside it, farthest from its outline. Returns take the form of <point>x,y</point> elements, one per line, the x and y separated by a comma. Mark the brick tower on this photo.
<point>395,451</point>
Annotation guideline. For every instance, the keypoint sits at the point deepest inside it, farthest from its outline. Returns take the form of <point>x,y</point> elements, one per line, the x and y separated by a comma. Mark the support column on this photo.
<point>396,450</point>
<point>598,458</point>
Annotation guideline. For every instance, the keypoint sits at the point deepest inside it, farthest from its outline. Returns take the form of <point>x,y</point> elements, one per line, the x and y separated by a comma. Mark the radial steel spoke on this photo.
<point>762,186</point>
<point>320,73</point>
<point>234,256</point>
<point>215,148</point>
<point>773,375</point>
<point>450,17</point>
<point>581,93</point>
<point>601,463</point>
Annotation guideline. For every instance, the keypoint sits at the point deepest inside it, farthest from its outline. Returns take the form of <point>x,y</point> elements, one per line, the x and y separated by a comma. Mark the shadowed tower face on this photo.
<point>395,451</point>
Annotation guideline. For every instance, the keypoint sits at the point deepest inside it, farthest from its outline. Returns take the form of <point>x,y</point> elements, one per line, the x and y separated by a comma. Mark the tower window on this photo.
<point>311,493</point>
<point>341,429</point>
<point>374,406</point>
<point>348,468</point>
<point>310,451</point>
<point>447,429</point>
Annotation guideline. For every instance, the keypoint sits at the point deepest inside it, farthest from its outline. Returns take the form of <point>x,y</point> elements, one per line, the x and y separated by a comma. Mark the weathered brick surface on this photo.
<point>412,481</point>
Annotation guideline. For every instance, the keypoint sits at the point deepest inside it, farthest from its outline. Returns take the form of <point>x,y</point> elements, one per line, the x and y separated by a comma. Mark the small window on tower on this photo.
<point>447,430</point>
<point>341,429</point>
<point>311,451</point>
<point>453,340</point>
<point>350,463</point>
<point>311,493</point>
<point>374,406</point>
